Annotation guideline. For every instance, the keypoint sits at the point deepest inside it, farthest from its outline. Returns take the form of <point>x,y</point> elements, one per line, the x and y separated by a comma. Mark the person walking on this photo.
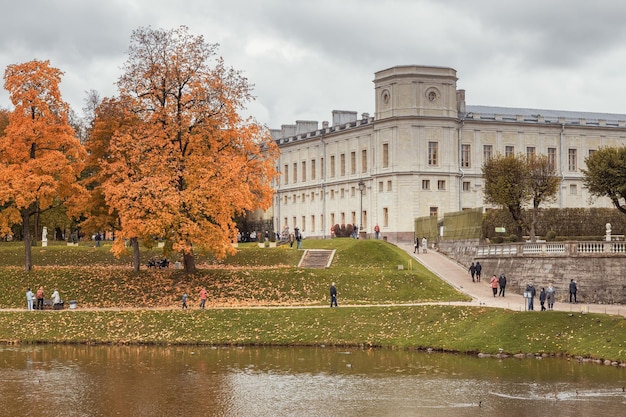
<point>530,293</point>
<point>472,270</point>
<point>184,301</point>
<point>550,296</point>
<point>494,284</point>
<point>479,269</point>
<point>424,245</point>
<point>40,295</point>
<point>203,297</point>
<point>333,295</point>
<point>376,231</point>
<point>542,299</point>
<point>30,297</point>
<point>573,289</point>
<point>502,284</point>
<point>57,304</point>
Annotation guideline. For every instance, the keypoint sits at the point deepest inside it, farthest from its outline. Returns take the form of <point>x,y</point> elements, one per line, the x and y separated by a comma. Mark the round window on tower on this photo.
<point>432,94</point>
<point>385,96</point>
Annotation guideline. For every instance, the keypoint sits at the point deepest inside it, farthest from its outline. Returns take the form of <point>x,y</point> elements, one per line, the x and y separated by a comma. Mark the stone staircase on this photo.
<point>316,258</point>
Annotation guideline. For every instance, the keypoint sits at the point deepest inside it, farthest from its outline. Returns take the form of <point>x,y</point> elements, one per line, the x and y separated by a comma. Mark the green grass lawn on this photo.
<point>366,272</point>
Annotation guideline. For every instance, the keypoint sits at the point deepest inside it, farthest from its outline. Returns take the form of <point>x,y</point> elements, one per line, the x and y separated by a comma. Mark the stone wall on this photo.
<point>601,277</point>
<point>462,251</point>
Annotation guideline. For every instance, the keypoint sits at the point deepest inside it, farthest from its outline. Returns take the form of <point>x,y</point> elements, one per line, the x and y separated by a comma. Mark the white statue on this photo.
<point>44,237</point>
<point>608,232</point>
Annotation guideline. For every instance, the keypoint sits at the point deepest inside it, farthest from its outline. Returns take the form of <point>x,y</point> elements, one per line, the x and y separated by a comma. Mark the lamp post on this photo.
<point>361,189</point>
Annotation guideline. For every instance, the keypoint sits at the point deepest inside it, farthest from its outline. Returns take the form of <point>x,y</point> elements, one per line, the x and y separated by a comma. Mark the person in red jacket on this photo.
<point>203,297</point>
<point>494,285</point>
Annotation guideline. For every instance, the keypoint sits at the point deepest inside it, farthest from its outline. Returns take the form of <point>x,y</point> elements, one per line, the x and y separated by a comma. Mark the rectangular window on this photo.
<point>343,218</point>
<point>388,185</point>
<point>434,211</point>
<point>332,166</point>
<point>285,222</point>
<point>552,159</point>
<point>364,161</point>
<point>303,225</point>
<point>303,197</point>
<point>295,172</point>
<point>312,196</point>
<point>385,217</point>
<point>433,150</point>
<point>425,184</point>
<point>332,219</point>
<point>530,152</point>
<point>380,186</point>
<point>441,185</point>
<point>487,152</point>
<point>352,163</point>
<point>293,220</point>
<point>572,155</point>
<point>342,164</point>
<point>286,174</point>
<point>465,155</point>
<point>303,170</point>
<point>312,222</point>
<point>509,150</point>
<point>285,201</point>
<point>364,225</point>
<point>466,185</point>
<point>353,215</point>
<point>332,194</point>
<point>385,155</point>
<point>312,169</point>
<point>573,189</point>
<point>591,152</point>
<point>343,193</point>
<point>352,191</point>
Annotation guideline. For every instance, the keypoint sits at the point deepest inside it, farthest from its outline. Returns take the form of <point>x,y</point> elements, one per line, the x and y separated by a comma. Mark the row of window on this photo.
<point>433,160</point>
<point>572,155</point>
<point>311,171</point>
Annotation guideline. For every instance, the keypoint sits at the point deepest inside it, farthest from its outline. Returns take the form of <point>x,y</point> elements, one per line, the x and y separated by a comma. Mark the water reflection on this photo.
<point>167,381</point>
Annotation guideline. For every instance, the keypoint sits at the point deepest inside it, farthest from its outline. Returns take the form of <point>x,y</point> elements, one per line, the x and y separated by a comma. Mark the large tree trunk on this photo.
<point>28,257</point>
<point>189,262</point>
<point>134,243</point>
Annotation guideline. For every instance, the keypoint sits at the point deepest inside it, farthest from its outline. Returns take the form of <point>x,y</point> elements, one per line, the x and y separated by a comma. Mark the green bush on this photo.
<point>551,236</point>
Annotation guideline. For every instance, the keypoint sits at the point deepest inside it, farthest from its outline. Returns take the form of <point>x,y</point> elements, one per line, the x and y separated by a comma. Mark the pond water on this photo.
<point>67,380</point>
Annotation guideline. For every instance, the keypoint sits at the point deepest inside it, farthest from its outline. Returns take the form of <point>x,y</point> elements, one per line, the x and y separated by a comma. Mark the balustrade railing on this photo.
<point>552,249</point>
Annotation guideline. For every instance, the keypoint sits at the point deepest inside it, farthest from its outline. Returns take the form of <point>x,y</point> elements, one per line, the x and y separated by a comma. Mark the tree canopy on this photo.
<point>40,158</point>
<point>186,163</point>
<point>514,181</point>
<point>605,175</point>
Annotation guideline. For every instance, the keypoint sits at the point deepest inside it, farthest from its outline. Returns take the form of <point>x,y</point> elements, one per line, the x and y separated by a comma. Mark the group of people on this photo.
<point>475,270</point>
<point>416,245</point>
<point>39,296</point>
<point>497,282</point>
<point>548,295</point>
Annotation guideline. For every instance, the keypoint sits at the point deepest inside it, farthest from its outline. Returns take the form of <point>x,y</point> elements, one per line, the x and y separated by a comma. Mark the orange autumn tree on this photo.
<point>191,163</point>
<point>40,158</point>
<point>107,118</point>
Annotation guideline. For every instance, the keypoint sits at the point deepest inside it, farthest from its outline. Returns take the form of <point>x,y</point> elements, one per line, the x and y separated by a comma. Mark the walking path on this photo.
<point>481,293</point>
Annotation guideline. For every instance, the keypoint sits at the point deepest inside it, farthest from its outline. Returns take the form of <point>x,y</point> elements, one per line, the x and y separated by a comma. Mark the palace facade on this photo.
<point>421,155</point>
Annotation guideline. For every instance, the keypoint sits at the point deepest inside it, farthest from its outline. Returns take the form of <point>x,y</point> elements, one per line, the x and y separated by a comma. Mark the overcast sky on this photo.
<point>307,58</point>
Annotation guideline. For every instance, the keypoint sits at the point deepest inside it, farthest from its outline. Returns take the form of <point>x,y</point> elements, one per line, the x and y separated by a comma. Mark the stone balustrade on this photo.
<point>552,249</point>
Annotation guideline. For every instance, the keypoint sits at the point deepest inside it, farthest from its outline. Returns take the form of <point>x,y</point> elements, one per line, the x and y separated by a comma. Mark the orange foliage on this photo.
<point>40,158</point>
<point>191,163</point>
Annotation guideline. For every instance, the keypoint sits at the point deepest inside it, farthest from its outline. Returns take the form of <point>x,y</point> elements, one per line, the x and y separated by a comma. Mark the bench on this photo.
<point>48,305</point>
<point>158,263</point>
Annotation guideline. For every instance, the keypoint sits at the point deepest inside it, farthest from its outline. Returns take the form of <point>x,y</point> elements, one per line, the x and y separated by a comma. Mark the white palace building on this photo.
<point>421,154</point>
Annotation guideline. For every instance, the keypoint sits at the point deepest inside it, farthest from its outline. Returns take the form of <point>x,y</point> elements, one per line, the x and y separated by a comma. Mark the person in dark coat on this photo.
<point>333,295</point>
<point>479,269</point>
<point>472,270</point>
<point>502,284</point>
<point>573,289</point>
<point>542,298</point>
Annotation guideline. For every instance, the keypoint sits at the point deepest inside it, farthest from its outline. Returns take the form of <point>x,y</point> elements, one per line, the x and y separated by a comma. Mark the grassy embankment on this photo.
<point>365,271</point>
